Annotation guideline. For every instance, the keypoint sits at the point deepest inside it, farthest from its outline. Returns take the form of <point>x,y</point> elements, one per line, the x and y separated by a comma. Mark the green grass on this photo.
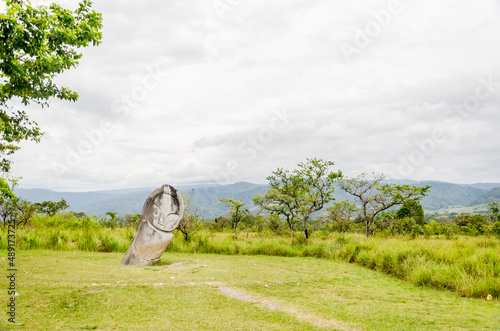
<point>467,266</point>
<point>57,291</point>
<point>461,210</point>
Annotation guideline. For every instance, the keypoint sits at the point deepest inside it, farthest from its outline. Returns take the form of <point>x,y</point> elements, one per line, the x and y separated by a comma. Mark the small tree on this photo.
<point>14,208</point>
<point>8,210</point>
<point>238,213</point>
<point>278,200</point>
<point>131,220</point>
<point>112,222</point>
<point>494,211</point>
<point>342,215</point>
<point>433,228</point>
<point>496,228</point>
<point>412,208</point>
<point>386,221</point>
<point>259,223</point>
<point>275,224</point>
<point>219,223</point>
<point>191,221</point>
<point>51,207</point>
<point>8,202</point>
<point>374,197</point>
<point>471,224</point>
<point>25,211</point>
<point>79,214</point>
<point>298,194</point>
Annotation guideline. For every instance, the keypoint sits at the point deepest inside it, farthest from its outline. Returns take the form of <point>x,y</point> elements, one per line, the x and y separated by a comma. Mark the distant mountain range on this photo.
<point>205,197</point>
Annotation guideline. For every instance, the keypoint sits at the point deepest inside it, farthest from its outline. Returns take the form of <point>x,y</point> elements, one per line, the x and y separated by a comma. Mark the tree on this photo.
<point>496,228</point>
<point>238,213</point>
<point>386,221</point>
<point>113,221</point>
<point>259,223</point>
<point>495,211</point>
<point>14,208</point>
<point>131,220</point>
<point>51,207</point>
<point>275,224</point>
<point>298,194</point>
<point>37,44</point>
<point>25,211</point>
<point>79,214</point>
<point>191,221</point>
<point>342,215</point>
<point>219,223</point>
<point>8,202</point>
<point>8,209</point>
<point>373,197</point>
<point>471,224</point>
<point>278,200</point>
<point>412,208</point>
<point>433,228</point>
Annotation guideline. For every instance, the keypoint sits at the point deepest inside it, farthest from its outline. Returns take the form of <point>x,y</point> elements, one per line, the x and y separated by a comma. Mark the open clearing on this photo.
<point>76,290</point>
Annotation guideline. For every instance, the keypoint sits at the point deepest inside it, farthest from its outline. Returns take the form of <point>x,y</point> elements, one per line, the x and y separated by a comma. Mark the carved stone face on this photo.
<point>165,213</point>
<point>162,213</point>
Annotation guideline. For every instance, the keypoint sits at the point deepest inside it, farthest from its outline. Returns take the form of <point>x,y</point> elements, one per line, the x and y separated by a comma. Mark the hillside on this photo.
<point>206,197</point>
<point>443,195</point>
<point>484,186</point>
<point>492,195</point>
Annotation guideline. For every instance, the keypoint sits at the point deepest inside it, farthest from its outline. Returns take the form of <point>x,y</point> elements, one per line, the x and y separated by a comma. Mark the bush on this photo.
<point>87,243</point>
<point>108,244</point>
<point>433,228</point>
<point>496,228</point>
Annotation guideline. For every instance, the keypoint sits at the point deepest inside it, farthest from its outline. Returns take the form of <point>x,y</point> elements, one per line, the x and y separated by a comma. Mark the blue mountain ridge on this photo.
<point>206,197</point>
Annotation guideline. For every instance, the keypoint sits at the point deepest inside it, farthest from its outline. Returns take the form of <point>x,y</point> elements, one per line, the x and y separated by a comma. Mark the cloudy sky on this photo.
<point>227,91</point>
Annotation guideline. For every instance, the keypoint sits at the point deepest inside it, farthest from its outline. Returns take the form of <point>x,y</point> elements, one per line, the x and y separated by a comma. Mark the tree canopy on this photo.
<point>413,209</point>
<point>374,197</point>
<point>52,207</point>
<point>299,193</point>
<point>36,45</point>
<point>238,213</point>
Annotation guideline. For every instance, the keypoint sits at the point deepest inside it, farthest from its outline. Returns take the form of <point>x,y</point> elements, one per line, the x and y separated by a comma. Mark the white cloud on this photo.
<point>191,92</point>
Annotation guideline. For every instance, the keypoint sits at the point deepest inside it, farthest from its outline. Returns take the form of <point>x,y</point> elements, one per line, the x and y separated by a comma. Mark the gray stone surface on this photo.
<point>161,215</point>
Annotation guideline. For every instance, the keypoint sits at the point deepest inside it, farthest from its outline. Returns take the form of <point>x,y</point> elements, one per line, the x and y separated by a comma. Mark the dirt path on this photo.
<point>309,318</point>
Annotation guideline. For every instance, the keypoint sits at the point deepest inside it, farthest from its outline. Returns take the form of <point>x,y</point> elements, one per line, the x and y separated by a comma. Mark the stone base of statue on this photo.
<point>161,215</point>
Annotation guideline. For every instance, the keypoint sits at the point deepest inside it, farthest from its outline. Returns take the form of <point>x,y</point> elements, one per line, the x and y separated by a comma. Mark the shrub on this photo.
<point>496,228</point>
<point>108,244</point>
<point>87,243</point>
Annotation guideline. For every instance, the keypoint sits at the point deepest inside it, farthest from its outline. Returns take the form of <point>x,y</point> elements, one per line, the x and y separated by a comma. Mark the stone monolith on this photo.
<point>161,214</point>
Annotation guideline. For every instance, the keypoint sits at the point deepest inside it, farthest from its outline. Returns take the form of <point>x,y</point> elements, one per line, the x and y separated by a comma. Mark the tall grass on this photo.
<point>65,234</point>
<point>469,266</point>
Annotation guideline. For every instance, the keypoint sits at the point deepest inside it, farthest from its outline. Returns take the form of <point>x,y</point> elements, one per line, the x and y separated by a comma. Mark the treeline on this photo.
<point>406,221</point>
<point>296,203</point>
<point>294,199</point>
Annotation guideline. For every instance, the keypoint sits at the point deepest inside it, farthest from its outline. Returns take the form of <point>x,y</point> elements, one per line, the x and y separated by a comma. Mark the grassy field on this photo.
<point>75,290</point>
<point>468,266</point>
<point>461,210</point>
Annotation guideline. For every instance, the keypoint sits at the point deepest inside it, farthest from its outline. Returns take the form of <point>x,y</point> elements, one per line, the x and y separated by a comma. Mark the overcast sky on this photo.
<point>226,91</point>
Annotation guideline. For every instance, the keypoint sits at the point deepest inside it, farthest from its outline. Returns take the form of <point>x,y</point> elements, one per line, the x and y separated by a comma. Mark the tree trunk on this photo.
<point>305,222</point>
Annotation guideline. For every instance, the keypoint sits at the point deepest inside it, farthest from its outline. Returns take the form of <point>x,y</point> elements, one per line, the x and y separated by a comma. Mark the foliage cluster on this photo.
<point>36,45</point>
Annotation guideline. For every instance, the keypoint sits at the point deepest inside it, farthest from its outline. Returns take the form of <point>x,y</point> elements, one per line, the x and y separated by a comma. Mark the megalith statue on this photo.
<point>161,214</point>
